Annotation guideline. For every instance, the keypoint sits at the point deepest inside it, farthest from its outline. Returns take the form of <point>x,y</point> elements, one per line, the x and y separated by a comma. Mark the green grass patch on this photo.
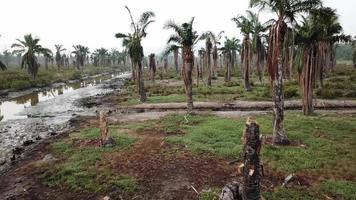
<point>80,168</point>
<point>18,79</point>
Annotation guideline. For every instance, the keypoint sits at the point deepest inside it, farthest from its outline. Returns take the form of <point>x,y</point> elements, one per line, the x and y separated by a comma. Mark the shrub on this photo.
<point>20,84</point>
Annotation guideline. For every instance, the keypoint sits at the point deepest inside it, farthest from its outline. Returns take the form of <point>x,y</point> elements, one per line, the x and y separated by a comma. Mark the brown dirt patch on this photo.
<point>168,172</point>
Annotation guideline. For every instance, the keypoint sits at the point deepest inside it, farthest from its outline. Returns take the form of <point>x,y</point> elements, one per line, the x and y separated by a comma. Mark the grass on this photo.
<point>80,168</point>
<point>340,84</point>
<point>17,79</point>
<point>329,155</point>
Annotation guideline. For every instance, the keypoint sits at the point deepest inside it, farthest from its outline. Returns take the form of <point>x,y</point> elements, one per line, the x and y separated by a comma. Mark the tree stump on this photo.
<point>249,187</point>
<point>106,140</point>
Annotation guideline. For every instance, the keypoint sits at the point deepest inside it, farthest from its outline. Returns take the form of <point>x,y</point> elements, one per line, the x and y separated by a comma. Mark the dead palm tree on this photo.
<point>185,37</point>
<point>29,47</point>
<point>132,41</point>
<point>277,55</point>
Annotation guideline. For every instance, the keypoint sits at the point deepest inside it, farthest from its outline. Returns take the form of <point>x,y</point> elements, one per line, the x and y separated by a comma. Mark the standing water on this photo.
<point>36,116</point>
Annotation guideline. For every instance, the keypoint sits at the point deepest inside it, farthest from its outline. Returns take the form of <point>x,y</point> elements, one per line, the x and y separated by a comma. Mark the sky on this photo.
<point>93,23</point>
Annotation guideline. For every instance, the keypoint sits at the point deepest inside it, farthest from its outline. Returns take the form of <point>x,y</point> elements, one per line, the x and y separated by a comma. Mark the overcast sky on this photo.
<point>93,23</point>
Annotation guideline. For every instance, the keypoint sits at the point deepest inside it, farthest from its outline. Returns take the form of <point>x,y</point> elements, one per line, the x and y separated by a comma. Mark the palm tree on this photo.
<point>152,66</point>
<point>245,24</point>
<point>114,56</point>
<point>258,47</point>
<point>7,57</point>
<point>354,52</point>
<point>185,37</point>
<point>80,53</point>
<point>201,54</point>
<point>29,47</point>
<point>314,39</point>
<point>230,46</point>
<point>48,57</point>
<point>133,43</point>
<point>277,55</point>
<point>58,57</point>
<point>102,55</point>
<point>175,49</point>
<point>211,42</point>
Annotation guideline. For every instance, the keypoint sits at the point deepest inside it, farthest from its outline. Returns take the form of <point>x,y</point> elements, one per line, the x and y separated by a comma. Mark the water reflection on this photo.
<point>11,109</point>
<point>1,116</point>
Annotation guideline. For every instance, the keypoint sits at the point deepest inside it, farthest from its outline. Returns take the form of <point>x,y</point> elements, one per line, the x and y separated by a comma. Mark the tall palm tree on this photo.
<point>185,37</point>
<point>175,49</point>
<point>58,57</point>
<point>114,56</point>
<point>201,54</point>
<point>245,24</point>
<point>258,40</point>
<point>314,39</point>
<point>48,57</point>
<point>80,53</point>
<point>152,66</point>
<point>277,55</point>
<point>230,46</point>
<point>29,47</point>
<point>354,52</point>
<point>7,56</point>
<point>211,45</point>
<point>133,43</point>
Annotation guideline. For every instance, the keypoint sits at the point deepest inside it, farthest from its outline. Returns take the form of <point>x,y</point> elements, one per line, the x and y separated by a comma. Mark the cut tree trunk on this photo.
<point>106,140</point>
<point>250,186</point>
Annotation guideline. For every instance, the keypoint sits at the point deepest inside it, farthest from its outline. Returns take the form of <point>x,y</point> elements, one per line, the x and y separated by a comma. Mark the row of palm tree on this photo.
<point>313,40</point>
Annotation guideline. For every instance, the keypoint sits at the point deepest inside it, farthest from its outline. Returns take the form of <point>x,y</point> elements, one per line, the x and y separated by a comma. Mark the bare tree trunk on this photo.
<point>141,83</point>
<point>106,139</point>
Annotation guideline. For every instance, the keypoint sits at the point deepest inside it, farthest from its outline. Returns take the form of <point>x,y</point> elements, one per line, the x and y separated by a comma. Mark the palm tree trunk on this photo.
<point>279,135</point>
<point>209,68</point>
<point>247,65</point>
<point>187,75</point>
<point>175,55</point>
<point>307,81</point>
<point>140,82</point>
